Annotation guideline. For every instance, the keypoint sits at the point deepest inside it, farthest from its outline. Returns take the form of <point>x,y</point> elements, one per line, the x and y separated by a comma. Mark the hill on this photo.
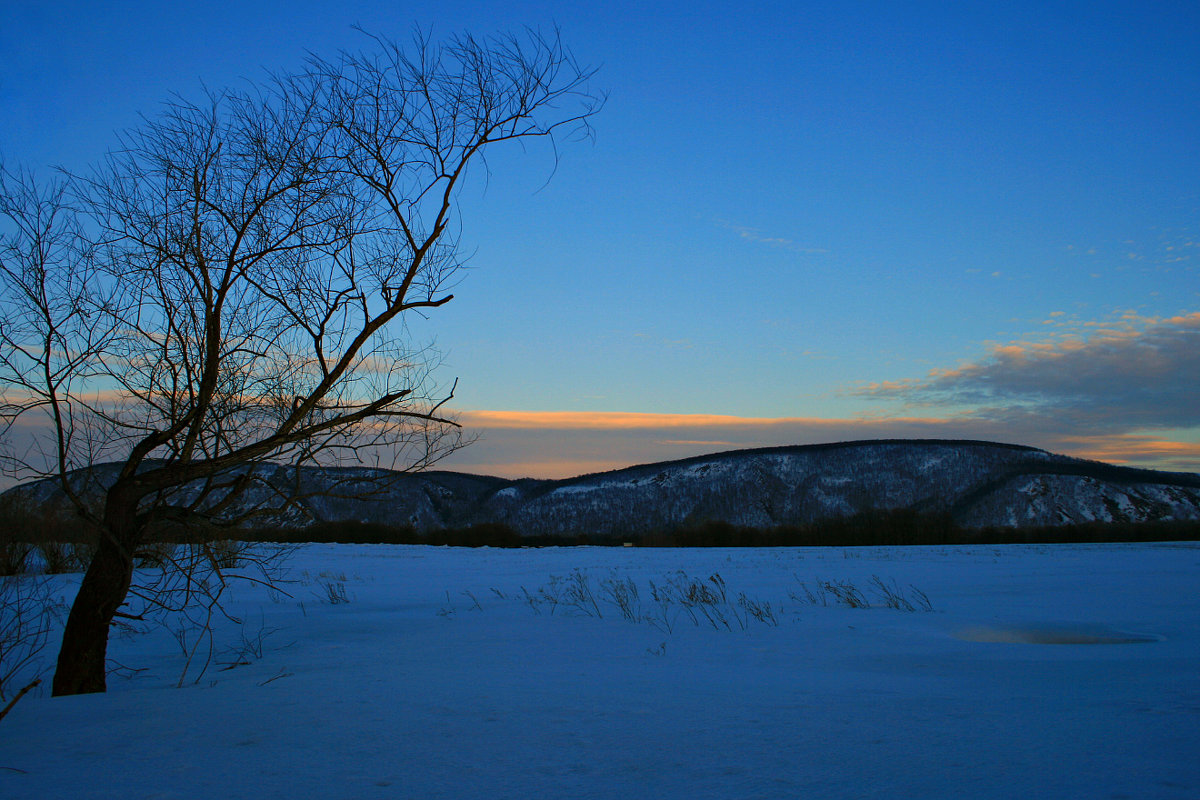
<point>975,484</point>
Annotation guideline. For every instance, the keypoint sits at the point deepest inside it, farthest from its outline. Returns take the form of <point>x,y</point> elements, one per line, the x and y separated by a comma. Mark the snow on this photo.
<point>1042,671</point>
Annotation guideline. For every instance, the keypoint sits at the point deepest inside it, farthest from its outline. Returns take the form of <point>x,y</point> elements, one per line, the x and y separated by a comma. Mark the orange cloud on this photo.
<point>1138,450</point>
<point>592,420</point>
<point>1132,375</point>
<point>633,420</point>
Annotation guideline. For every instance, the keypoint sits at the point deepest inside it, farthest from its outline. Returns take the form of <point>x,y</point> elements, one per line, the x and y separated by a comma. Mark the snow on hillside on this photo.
<point>978,484</point>
<point>417,672</point>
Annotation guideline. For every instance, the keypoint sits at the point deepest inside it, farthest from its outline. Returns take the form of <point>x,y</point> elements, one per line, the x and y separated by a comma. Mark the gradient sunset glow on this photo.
<point>552,444</point>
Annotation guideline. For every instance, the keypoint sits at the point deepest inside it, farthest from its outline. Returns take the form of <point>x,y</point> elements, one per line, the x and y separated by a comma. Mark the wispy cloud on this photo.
<point>756,235</point>
<point>662,342</point>
<point>608,420</point>
<point>696,443</point>
<point>1160,453</point>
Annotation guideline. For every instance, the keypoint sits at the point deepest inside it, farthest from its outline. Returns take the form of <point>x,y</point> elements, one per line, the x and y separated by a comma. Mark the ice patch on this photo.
<point>1054,634</point>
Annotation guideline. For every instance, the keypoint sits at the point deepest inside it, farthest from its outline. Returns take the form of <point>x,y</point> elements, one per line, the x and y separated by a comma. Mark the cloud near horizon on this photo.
<point>560,444</point>
<point>1124,392</point>
<point>1137,374</point>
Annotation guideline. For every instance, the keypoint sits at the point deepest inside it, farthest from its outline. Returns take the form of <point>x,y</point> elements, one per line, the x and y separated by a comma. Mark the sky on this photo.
<point>796,222</point>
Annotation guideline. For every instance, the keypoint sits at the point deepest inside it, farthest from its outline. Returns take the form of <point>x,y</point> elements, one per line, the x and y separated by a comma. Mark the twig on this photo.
<point>280,674</point>
<point>13,702</point>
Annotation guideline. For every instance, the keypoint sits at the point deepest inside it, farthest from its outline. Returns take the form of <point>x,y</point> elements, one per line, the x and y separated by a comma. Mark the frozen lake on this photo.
<point>1059,671</point>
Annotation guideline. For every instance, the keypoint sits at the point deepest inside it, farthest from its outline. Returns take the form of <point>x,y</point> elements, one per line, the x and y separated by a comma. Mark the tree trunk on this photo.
<point>81,661</point>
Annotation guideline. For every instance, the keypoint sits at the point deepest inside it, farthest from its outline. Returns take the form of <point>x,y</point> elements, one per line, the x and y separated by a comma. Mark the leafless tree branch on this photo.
<point>226,294</point>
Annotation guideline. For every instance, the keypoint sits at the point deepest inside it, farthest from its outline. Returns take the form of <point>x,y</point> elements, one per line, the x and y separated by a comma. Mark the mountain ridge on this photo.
<point>993,484</point>
<point>976,483</point>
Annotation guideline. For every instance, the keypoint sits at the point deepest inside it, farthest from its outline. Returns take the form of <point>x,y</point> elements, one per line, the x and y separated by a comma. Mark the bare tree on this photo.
<point>227,294</point>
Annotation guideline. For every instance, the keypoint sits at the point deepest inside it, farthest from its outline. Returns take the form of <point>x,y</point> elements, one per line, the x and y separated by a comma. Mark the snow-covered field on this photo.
<point>1041,671</point>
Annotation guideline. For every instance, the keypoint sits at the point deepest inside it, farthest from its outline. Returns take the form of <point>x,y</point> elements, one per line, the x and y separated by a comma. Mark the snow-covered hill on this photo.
<point>978,484</point>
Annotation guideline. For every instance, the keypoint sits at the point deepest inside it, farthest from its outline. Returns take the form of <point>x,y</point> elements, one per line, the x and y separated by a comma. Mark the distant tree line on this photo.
<point>874,528</point>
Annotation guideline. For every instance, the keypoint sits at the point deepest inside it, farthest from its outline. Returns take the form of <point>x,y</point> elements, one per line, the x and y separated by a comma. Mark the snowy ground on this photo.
<point>437,679</point>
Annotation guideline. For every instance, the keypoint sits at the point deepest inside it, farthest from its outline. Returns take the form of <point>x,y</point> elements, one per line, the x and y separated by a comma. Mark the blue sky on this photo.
<point>797,222</point>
